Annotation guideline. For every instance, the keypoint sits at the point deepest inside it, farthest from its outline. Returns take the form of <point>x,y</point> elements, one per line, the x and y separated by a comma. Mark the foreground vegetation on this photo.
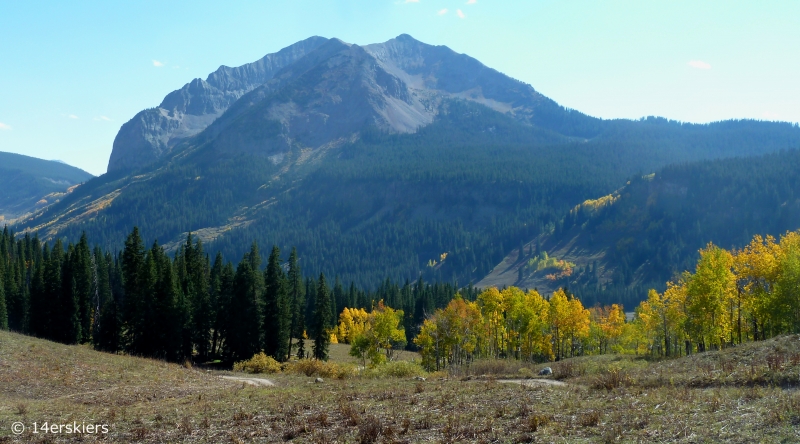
<point>746,393</point>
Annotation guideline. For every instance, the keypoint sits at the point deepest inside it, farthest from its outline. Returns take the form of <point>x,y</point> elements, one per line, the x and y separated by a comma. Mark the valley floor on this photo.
<point>743,394</point>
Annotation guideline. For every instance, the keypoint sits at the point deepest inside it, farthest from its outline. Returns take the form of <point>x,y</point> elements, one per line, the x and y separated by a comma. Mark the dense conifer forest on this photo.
<point>446,203</point>
<point>146,303</point>
<point>657,223</point>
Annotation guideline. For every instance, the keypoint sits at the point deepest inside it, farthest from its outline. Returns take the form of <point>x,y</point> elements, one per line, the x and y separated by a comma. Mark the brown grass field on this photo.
<point>743,394</point>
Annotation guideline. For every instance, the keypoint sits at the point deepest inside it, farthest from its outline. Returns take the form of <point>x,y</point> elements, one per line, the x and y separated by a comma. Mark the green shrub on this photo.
<point>259,363</point>
<point>323,369</point>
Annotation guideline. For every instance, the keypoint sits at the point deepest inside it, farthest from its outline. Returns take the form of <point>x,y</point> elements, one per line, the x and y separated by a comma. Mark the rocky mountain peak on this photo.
<point>319,90</point>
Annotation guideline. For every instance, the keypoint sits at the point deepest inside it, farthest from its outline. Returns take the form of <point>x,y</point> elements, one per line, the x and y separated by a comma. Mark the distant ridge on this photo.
<point>26,181</point>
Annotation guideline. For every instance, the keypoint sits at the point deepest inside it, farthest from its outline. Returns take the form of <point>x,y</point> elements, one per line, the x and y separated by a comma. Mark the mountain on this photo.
<point>28,183</point>
<point>650,230</point>
<point>152,133</point>
<point>395,160</point>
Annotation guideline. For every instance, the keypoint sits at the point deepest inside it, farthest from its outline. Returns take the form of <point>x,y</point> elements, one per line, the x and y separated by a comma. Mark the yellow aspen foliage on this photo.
<point>786,303</point>
<point>756,268</point>
<point>380,334</point>
<point>526,323</point>
<point>352,322</point>
<point>708,293</point>
<point>492,308</point>
<point>569,323</point>
<point>451,335</point>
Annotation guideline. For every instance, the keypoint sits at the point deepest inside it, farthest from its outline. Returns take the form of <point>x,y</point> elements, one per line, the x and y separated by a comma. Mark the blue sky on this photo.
<point>71,73</point>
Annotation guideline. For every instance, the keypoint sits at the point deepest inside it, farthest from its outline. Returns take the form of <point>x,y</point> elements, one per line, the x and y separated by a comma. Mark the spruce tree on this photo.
<point>3,309</point>
<point>322,316</point>
<point>243,332</point>
<point>215,293</point>
<point>134,285</point>
<point>51,327</point>
<point>106,328</point>
<point>67,316</point>
<point>169,325</point>
<point>13,300</point>
<point>195,270</point>
<point>83,273</point>
<point>277,322</point>
<point>39,319</point>
<point>296,297</point>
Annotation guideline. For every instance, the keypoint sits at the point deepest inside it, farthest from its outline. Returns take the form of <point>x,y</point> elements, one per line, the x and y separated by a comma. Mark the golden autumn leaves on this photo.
<point>732,297</point>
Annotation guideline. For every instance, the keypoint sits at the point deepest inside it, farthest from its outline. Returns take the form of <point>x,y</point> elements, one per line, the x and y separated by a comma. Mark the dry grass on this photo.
<point>728,396</point>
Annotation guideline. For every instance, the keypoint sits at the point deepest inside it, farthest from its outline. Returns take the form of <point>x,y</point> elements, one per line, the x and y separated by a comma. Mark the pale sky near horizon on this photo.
<point>71,73</point>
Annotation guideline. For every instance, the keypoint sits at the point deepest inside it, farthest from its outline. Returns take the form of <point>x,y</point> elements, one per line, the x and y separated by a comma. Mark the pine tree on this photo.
<point>311,303</point>
<point>14,306</point>
<point>322,319</point>
<point>3,309</point>
<point>218,302</point>
<point>337,298</point>
<point>83,274</point>
<point>139,277</point>
<point>53,287</point>
<point>196,289</point>
<point>296,297</point>
<point>277,321</point>
<point>106,328</point>
<point>243,332</point>
<point>39,308</point>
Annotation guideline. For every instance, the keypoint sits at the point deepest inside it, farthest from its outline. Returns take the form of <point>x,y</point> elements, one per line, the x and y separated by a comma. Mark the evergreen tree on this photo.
<point>169,328</point>
<point>243,332</point>
<point>137,277</point>
<point>218,305</point>
<point>296,297</point>
<point>68,308</point>
<point>40,307</point>
<point>195,270</point>
<point>106,328</point>
<point>337,298</point>
<point>322,320</point>
<point>311,303</point>
<point>14,306</point>
<point>3,308</point>
<point>277,321</point>
<point>53,287</point>
<point>83,274</point>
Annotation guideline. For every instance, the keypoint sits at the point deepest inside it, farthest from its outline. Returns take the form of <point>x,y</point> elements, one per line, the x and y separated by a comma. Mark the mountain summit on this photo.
<point>320,91</point>
<point>396,160</point>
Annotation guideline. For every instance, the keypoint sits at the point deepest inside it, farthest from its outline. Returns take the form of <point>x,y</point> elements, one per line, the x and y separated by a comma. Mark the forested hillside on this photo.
<point>446,203</point>
<point>27,183</point>
<point>144,302</point>
<point>398,159</point>
<point>650,230</point>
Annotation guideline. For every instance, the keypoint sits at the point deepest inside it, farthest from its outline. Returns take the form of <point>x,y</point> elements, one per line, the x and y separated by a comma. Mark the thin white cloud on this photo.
<point>442,12</point>
<point>472,2</point>
<point>699,64</point>
<point>460,14</point>
<point>72,116</point>
<point>102,118</point>
<point>4,127</point>
<point>770,116</point>
<point>411,1</point>
<point>157,64</point>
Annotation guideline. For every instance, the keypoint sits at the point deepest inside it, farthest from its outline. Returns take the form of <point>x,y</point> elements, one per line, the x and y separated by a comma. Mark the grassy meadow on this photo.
<point>742,394</point>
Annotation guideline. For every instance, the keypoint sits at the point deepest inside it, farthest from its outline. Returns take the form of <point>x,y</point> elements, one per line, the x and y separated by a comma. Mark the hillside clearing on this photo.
<point>743,394</point>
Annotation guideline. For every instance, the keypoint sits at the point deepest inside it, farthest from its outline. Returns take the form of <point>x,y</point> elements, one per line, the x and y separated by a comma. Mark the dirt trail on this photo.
<point>534,382</point>
<point>258,382</point>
